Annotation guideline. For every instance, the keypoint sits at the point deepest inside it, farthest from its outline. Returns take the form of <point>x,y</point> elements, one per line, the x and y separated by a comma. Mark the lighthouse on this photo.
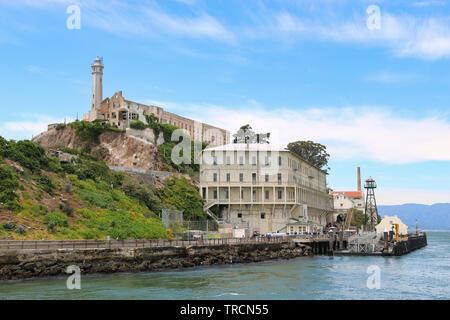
<point>97,83</point>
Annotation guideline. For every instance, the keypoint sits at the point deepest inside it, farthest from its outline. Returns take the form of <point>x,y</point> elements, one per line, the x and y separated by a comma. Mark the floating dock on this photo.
<point>360,246</point>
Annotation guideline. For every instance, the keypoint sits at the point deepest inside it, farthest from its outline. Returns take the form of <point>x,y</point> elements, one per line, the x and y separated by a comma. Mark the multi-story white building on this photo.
<point>264,188</point>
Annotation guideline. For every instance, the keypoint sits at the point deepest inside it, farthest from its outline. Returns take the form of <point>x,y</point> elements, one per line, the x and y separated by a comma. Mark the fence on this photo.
<point>116,244</point>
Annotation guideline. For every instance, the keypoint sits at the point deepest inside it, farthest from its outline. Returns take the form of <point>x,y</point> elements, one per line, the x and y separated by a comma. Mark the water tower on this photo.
<point>370,212</point>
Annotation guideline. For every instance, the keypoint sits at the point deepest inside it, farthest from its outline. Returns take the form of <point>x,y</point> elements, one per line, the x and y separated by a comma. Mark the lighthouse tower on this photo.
<point>97,83</point>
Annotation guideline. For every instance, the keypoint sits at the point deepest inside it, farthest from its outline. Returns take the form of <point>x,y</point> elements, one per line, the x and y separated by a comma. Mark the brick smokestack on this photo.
<point>359,179</point>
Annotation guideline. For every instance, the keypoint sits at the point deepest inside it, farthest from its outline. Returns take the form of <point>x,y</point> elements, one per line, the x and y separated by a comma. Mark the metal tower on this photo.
<point>371,211</point>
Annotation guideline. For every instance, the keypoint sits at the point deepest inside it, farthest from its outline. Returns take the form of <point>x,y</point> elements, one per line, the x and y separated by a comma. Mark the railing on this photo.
<point>116,244</point>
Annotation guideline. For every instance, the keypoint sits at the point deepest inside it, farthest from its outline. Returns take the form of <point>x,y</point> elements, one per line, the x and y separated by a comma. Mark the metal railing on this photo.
<point>116,244</point>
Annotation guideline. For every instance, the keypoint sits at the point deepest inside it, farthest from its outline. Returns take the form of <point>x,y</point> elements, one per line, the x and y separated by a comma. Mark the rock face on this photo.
<point>118,148</point>
<point>42,263</point>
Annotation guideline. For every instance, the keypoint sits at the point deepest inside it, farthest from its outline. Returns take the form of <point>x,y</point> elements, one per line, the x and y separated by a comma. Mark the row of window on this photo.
<point>241,161</point>
<point>241,177</point>
<point>267,194</point>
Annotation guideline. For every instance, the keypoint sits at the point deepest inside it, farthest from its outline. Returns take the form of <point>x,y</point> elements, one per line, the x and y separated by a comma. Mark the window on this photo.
<point>215,177</point>
<point>215,160</point>
<point>241,160</point>
<point>267,194</point>
<point>228,177</point>
<point>242,194</point>
<point>239,215</point>
<point>266,161</point>
<point>263,215</point>
<point>280,194</point>
<point>228,161</point>
<point>241,177</point>
<point>266,178</point>
<point>226,194</point>
<point>279,178</point>
<point>215,194</point>
<point>254,161</point>
<point>254,177</point>
<point>279,161</point>
<point>254,194</point>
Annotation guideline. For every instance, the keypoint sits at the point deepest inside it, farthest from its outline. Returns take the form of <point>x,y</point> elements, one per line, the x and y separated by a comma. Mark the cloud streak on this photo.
<point>418,36</point>
<point>364,132</point>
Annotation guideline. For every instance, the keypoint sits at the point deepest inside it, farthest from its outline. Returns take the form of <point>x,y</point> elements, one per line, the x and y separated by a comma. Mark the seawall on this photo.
<point>22,264</point>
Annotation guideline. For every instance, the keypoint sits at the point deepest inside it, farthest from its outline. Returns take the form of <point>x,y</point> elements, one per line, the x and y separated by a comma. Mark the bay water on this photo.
<point>422,274</point>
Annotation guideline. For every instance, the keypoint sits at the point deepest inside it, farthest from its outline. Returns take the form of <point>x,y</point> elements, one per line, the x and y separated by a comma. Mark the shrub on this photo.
<point>8,184</point>
<point>138,125</point>
<point>28,154</point>
<point>68,210</point>
<point>46,183</point>
<point>57,219</point>
<point>9,226</point>
<point>21,230</point>
<point>97,199</point>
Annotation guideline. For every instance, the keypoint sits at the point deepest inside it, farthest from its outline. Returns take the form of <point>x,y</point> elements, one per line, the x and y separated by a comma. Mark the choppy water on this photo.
<point>422,274</point>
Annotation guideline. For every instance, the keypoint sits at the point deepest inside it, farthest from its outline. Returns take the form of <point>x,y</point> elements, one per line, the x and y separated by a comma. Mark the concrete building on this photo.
<point>388,222</point>
<point>264,188</point>
<point>345,200</point>
<point>121,112</point>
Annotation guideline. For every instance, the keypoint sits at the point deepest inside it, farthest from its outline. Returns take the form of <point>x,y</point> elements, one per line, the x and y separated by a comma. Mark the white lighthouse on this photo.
<point>97,91</point>
<point>97,83</point>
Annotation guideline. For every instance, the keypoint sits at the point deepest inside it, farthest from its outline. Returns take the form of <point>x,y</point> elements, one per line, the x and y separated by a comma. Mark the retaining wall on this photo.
<point>21,264</point>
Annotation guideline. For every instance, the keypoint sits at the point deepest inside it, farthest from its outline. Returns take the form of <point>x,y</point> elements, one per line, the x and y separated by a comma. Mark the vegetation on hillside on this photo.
<point>43,199</point>
<point>89,132</point>
<point>179,193</point>
<point>165,149</point>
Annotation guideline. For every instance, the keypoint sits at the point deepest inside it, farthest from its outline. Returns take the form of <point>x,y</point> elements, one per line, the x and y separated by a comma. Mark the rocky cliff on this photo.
<point>116,148</point>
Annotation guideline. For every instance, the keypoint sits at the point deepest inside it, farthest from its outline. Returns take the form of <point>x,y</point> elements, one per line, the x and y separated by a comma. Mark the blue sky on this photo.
<point>378,98</point>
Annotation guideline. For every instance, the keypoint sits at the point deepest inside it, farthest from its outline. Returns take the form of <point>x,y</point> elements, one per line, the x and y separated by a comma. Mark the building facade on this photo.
<point>263,188</point>
<point>121,112</point>
<point>344,200</point>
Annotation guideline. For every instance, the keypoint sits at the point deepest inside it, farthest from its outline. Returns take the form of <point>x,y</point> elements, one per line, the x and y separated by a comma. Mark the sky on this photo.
<point>368,79</point>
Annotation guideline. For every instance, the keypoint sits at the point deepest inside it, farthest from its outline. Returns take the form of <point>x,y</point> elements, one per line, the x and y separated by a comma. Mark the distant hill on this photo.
<point>436,216</point>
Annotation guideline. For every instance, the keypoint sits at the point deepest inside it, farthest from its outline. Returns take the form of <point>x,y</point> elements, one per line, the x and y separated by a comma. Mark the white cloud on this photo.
<point>366,133</point>
<point>27,126</point>
<point>421,37</point>
<point>203,26</point>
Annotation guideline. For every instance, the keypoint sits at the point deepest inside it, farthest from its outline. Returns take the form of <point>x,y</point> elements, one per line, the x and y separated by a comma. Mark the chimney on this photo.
<point>359,179</point>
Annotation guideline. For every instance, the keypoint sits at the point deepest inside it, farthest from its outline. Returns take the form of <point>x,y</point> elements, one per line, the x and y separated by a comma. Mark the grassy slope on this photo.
<point>41,199</point>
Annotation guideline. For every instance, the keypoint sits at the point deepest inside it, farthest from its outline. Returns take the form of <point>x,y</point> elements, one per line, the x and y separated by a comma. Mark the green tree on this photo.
<point>315,153</point>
